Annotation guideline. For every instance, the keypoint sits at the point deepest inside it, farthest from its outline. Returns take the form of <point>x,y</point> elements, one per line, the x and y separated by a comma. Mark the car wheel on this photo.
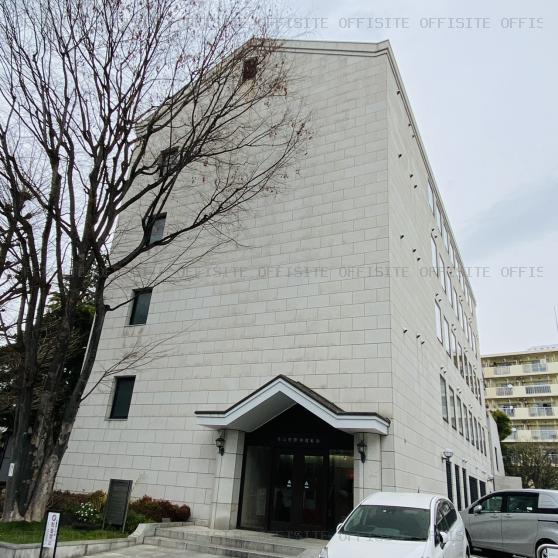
<point>544,552</point>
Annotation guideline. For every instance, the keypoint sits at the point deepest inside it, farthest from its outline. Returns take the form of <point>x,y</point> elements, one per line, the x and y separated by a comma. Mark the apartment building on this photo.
<point>524,385</point>
<point>342,360</point>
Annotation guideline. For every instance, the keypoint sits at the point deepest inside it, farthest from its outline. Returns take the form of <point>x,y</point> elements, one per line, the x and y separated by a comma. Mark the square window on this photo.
<point>123,390</point>
<point>157,228</point>
<point>140,306</point>
<point>249,69</point>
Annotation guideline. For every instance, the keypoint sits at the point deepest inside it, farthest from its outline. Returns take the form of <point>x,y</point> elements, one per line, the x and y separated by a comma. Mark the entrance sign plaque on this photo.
<point>116,509</point>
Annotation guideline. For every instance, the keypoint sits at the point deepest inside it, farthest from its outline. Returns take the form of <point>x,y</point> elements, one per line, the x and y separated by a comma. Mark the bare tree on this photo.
<point>116,110</point>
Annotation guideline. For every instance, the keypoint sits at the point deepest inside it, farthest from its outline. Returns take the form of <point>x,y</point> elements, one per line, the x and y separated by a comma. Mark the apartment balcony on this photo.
<point>531,412</point>
<point>533,436</point>
<point>543,390</point>
<point>526,369</point>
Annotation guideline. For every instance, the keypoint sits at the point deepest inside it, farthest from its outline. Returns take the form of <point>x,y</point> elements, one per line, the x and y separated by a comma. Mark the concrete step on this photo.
<point>211,548</point>
<point>233,540</point>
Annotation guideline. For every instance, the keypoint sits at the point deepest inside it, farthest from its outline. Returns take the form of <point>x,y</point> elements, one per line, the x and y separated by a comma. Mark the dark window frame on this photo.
<point>158,217</point>
<point>249,69</point>
<point>118,381</point>
<point>137,294</point>
<point>167,160</point>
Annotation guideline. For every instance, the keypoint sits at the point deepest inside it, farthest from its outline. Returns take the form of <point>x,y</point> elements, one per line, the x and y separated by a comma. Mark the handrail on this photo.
<point>542,551</point>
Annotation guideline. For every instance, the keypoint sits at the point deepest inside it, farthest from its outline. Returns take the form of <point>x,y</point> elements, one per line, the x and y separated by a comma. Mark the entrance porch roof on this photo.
<point>280,394</point>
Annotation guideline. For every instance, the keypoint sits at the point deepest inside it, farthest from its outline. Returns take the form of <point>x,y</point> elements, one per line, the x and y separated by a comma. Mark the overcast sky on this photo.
<point>485,101</point>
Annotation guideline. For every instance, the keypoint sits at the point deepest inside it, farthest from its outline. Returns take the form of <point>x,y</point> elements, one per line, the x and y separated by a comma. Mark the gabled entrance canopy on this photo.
<point>281,394</point>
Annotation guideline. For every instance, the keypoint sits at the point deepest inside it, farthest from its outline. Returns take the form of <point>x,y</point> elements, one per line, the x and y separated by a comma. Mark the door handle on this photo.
<point>508,515</point>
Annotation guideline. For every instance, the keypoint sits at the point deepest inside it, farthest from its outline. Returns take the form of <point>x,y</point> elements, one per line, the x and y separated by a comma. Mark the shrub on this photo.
<point>133,519</point>
<point>68,504</point>
<point>98,500</point>
<point>156,510</point>
<point>86,513</point>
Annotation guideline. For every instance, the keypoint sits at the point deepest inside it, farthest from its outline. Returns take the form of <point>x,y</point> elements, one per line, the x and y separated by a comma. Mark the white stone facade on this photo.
<point>307,296</point>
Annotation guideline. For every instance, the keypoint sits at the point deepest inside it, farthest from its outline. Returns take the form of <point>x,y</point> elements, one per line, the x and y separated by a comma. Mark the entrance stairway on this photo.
<point>236,543</point>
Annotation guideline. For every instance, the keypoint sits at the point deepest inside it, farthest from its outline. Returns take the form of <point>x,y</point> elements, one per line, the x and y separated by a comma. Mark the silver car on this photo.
<point>513,521</point>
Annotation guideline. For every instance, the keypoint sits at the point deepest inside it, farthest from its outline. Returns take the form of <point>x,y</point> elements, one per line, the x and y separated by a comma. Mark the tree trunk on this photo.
<point>37,460</point>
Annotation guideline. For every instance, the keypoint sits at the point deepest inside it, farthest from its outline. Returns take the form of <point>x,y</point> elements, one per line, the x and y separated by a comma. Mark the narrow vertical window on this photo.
<point>447,337</point>
<point>431,197</point>
<point>249,69</point>
<point>460,357</point>
<point>439,332</point>
<point>444,398</point>
<point>453,344</point>
<point>465,493</point>
<point>140,306</point>
<point>123,389</point>
<point>459,415</point>
<point>168,160</point>
<point>453,418</point>
<point>466,422</point>
<point>449,480</point>
<point>471,428</point>
<point>438,215</point>
<point>443,275</point>
<point>458,487</point>
<point>157,230</point>
<point>434,255</point>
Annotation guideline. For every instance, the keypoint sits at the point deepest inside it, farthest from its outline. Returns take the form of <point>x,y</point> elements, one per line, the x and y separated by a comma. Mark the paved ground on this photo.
<point>148,551</point>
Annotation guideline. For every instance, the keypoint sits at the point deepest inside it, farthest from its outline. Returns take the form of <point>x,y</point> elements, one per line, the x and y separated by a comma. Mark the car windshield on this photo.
<point>389,522</point>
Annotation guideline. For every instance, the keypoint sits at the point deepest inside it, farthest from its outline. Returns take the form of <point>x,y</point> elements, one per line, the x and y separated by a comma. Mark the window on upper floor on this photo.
<point>438,314</point>
<point>445,236</point>
<point>431,197</point>
<point>249,69</point>
<point>459,406</point>
<point>140,306</point>
<point>453,418</point>
<point>122,398</point>
<point>453,344</point>
<point>447,337</point>
<point>157,229</point>
<point>444,393</point>
<point>438,216</point>
<point>443,275</point>
<point>434,250</point>
<point>466,422</point>
<point>460,358</point>
<point>168,160</point>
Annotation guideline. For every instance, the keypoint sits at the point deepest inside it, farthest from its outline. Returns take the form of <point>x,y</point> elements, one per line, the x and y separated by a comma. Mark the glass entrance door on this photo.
<point>298,492</point>
<point>282,491</point>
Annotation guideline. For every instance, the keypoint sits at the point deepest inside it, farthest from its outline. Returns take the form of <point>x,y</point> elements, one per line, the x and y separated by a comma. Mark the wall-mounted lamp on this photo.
<point>447,454</point>
<point>220,443</point>
<point>405,330</point>
<point>361,446</point>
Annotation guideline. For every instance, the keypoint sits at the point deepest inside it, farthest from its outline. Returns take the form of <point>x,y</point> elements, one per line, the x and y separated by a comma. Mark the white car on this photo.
<point>400,525</point>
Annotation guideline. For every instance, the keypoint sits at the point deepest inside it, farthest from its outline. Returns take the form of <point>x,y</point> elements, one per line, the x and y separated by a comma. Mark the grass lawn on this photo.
<point>21,532</point>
